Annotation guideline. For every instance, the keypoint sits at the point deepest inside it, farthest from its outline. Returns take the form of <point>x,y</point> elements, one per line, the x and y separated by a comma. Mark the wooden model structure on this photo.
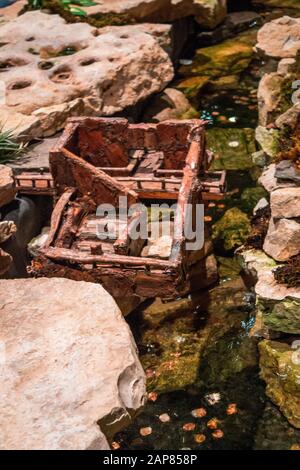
<point>96,161</point>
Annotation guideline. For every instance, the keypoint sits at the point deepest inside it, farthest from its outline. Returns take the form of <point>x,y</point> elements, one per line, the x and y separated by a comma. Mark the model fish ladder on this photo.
<point>107,160</point>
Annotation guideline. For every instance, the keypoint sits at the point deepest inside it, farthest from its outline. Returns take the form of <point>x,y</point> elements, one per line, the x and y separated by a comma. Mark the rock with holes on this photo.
<point>70,373</point>
<point>52,70</point>
<point>208,13</point>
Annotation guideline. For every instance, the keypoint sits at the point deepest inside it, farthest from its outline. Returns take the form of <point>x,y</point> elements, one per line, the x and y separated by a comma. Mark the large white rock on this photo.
<point>283,239</point>
<point>208,13</point>
<point>52,70</point>
<point>285,203</point>
<point>68,362</point>
<point>280,38</point>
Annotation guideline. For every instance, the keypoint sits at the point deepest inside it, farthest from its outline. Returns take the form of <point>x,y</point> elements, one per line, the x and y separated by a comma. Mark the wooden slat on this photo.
<point>64,254</point>
<point>57,213</point>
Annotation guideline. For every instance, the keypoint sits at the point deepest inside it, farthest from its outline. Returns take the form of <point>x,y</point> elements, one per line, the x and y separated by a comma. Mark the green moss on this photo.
<point>228,268</point>
<point>281,315</point>
<point>251,196</point>
<point>232,148</point>
<point>174,339</point>
<point>232,229</point>
<point>230,57</point>
<point>280,369</point>
<point>192,86</point>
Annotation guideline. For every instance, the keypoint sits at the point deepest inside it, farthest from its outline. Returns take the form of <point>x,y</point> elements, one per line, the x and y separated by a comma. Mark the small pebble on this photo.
<point>218,434</point>
<point>152,396</point>
<point>115,445</point>
<point>164,418</point>
<point>185,62</point>
<point>150,373</point>
<point>213,423</point>
<point>234,144</point>
<point>295,447</point>
<point>231,409</point>
<point>199,413</point>
<point>189,426</point>
<point>199,438</point>
<point>213,398</point>
<point>146,431</point>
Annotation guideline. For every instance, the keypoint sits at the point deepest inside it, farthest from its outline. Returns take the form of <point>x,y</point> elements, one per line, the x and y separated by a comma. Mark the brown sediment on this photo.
<point>289,273</point>
<point>290,148</point>
<point>259,228</point>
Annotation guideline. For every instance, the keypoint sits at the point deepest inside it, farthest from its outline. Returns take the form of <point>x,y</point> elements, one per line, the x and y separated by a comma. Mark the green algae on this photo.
<point>232,148</point>
<point>251,196</point>
<point>232,230</point>
<point>230,57</point>
<point>175,335</point>
<point>281,315</point>
<point>280,369</point>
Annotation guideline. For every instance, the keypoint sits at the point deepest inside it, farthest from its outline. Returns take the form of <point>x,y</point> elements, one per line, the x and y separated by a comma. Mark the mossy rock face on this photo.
<point>232,229</point>
<point>192,86</point>
<point>281,315</point>
<point>230,57</point>
<point>232,148</point>
<point>269,140</point>
<point>251,196</point>
<point>175,335</point>
<point>280,369</point>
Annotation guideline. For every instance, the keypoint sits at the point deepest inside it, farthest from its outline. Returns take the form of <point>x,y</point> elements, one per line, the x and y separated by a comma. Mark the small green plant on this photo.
<point>9,147</point>
<point>73,6</point>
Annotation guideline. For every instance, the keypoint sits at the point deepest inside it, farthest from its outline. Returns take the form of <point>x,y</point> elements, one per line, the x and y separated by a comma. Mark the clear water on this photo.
<point>228,370</point>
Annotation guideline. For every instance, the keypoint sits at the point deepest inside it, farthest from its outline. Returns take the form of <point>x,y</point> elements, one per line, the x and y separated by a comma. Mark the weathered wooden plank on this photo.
<point>57,214</point>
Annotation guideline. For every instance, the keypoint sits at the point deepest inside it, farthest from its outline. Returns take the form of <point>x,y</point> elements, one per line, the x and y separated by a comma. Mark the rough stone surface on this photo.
<point>269,97</point>
<point>233,24</point>
<point>289,118</point>
<point>283,239</point>
<point>170,104</point>
<point>53,70</point>
<point>286,170</point>
<point>11,11</point>
<point>285,203</point>
<point>280,38</point>
<point>70,363</point>
<point>36,156</point>
<point>269,181</point>
<point>280,369</point>
<point>7,189</point>
<point>278,305</point>
<point>208,13</point>
<point>268,140</point>
<point>158,248</point>
<point>286,66</point>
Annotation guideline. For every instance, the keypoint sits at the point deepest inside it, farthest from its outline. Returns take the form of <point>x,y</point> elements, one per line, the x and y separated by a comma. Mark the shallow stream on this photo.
<point>201,364</point>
